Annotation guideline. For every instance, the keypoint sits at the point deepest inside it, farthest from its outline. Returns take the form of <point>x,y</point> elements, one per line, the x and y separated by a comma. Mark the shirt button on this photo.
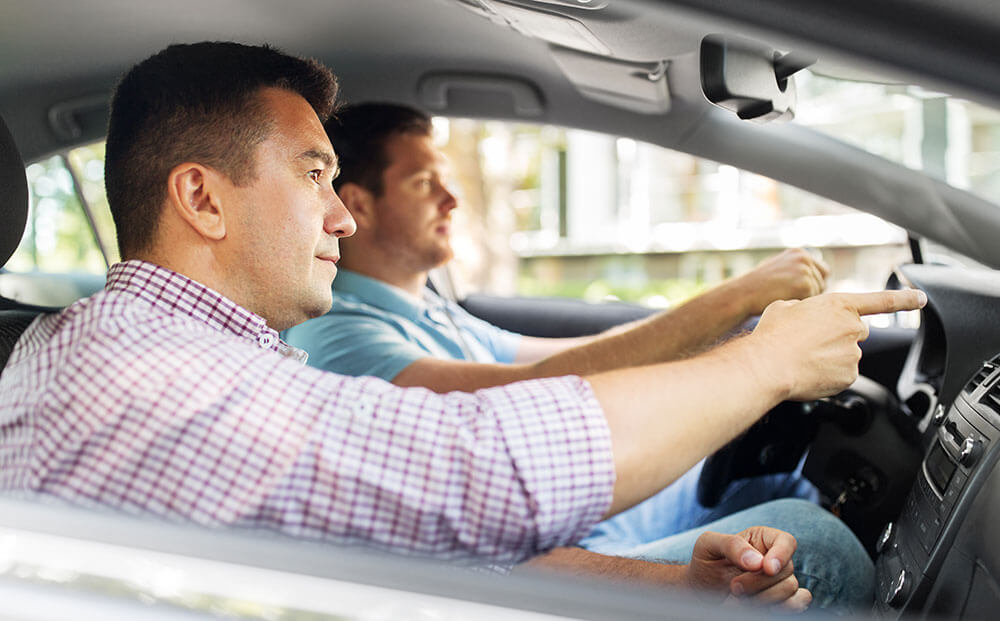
<point>265,340</point>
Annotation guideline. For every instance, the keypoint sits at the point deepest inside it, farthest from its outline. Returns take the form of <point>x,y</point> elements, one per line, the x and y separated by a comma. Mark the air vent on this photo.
<point>986,381</point>
<point>981,376</point>
<point>991,399</point>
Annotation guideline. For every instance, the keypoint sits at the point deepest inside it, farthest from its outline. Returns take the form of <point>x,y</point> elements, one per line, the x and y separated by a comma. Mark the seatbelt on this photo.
<point>440,281</point>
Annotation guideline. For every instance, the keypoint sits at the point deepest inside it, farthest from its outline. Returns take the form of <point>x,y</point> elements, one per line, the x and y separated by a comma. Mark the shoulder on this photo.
<point>346,320</point>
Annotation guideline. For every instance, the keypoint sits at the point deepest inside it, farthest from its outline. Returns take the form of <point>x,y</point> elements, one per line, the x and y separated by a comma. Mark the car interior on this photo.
<point>907,457</point>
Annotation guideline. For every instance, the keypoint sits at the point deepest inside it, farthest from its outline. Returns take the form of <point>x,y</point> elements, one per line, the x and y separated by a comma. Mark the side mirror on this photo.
<point>750,78</point>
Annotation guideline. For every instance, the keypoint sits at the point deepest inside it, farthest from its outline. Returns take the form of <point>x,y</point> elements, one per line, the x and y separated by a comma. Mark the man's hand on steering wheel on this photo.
<point>795,274</point>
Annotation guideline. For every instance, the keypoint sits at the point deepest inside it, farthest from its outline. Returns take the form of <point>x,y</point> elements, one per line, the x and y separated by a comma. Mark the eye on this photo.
<point>316,174</point>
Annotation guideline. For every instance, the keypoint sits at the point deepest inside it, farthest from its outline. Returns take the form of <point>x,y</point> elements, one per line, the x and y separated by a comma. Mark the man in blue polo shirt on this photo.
<point>385,322</point>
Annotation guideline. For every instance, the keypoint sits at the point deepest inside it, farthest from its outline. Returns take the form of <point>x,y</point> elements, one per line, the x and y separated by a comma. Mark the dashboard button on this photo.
<point>899,590</point>
<point>910,508</point>
<point>925,485</point>
<point>926,534</point>
<point>885,539</point>
<point>948,501</point>
<point>929,537</point>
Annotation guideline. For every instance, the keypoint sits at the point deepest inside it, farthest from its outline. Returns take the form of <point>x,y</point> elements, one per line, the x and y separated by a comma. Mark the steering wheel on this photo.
<point>778,440</point>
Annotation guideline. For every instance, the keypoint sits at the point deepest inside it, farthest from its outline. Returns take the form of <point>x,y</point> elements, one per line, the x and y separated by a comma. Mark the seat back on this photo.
<point>13,195</point>
<point>13,323</point>
<point>14,316</point>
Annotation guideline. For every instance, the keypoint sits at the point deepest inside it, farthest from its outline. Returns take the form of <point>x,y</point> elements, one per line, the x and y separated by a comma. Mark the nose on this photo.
<point>448,200</point>
<point>339,222</point>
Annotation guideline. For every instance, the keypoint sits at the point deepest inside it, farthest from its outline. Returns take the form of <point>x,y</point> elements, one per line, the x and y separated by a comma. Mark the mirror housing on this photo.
<point>749,78</point>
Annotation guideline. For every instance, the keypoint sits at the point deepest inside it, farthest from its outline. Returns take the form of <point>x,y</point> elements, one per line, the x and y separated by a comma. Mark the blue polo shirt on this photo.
<point>377,329</point>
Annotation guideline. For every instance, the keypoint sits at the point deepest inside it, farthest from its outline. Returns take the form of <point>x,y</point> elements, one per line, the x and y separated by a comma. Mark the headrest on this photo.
<point>13,195</point>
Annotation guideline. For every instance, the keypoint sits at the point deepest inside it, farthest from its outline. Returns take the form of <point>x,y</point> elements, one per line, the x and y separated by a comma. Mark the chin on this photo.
<point>446,254</point>
<point>324,305</point>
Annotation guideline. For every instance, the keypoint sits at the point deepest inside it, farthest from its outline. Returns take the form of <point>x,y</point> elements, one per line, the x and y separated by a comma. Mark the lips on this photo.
<point>333,258</point>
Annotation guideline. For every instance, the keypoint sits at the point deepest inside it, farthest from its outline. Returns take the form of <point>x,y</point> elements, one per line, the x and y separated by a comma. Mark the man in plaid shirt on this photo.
<point>170,393</point>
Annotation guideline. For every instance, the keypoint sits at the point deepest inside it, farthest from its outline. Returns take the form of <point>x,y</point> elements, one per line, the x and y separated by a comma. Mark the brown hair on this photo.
<point>359,134</point>
<point>195,103</point>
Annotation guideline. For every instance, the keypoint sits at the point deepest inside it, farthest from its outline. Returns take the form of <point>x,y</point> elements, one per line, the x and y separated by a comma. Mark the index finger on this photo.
<point>886,301</point>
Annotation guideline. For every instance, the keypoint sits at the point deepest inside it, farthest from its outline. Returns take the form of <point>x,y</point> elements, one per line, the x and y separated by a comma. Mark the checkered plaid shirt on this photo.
<point>158,395</point>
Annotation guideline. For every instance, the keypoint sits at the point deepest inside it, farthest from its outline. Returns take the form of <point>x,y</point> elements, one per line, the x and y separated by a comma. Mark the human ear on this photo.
<point>194,192</point>
<point>360,202</point>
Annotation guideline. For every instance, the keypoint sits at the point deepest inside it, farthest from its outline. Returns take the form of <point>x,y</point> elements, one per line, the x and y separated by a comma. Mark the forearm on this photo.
<point>686,330</point>
<point>698,323</point>
<point>691,328</point>
<point>580,562</point>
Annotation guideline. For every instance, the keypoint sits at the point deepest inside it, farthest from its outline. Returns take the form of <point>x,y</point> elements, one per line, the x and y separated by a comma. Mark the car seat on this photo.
<point>14,316</point>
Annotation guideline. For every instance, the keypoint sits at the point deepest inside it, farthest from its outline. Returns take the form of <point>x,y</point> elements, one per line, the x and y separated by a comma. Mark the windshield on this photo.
<point>947,138</point>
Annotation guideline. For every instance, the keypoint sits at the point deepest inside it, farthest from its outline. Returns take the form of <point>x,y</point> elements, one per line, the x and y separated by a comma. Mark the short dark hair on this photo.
<point>195,102</point>
<point>359,133</point>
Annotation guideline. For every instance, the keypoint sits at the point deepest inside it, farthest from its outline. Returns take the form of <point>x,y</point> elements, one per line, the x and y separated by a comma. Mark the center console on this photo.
<point>937,558</point>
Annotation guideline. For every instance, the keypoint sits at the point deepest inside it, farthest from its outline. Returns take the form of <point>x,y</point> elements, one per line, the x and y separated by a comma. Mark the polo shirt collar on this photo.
<point>379,294</point>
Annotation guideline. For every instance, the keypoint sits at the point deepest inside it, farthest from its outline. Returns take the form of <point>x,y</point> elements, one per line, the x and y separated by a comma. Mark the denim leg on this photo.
<point>829,560</point>
<point>676,509</point>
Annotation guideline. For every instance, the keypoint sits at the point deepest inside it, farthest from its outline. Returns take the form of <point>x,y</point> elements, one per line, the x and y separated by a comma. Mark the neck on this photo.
<point>201,269</point>
<point>204,267</point>
<point>388,271</point>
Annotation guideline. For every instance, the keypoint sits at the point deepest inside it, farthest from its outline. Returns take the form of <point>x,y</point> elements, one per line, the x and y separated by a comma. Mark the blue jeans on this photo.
<point>829,560</point>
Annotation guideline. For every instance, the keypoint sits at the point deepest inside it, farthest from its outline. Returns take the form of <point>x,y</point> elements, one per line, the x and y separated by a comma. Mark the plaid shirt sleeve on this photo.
<point>184,421</point>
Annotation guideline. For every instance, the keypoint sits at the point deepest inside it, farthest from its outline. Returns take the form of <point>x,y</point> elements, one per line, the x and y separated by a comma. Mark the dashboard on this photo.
<point>958,331</point>
<point>941,556</point>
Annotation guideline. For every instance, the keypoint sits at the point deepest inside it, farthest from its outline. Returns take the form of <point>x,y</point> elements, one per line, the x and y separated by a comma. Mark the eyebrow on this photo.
<point>441,172</point>
<point>324,156</point>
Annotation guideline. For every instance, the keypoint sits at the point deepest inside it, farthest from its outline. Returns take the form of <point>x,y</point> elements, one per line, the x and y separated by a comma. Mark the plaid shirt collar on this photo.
<point>176,294</point>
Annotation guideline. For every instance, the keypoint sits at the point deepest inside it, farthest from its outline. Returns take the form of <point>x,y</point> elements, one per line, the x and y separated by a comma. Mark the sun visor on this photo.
<point>639,87</point>
<point>537,22</point>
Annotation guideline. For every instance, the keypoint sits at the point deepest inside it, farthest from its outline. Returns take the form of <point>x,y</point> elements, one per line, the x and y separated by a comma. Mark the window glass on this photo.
<point>550,211</point>
<point>67,244</point>
<point>87,163</point>
<point>950,139</point>
<point>59,237</point>
<point>557,212</point>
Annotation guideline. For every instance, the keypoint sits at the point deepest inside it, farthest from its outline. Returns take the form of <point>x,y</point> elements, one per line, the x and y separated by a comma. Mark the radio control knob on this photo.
<point>899,591</point>
<point>885,539</point>
<point>939,414</point>
<point>971,448</point>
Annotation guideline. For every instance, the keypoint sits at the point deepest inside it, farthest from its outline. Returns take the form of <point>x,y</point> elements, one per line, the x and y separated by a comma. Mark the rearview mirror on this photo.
<point>750,78</point>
